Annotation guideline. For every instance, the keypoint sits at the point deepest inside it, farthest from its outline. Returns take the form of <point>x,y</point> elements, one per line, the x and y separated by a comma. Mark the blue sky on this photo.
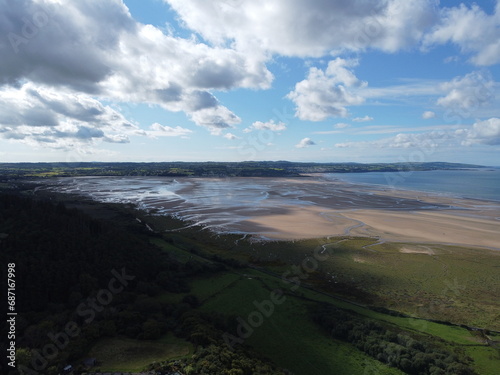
<point>232,80</point>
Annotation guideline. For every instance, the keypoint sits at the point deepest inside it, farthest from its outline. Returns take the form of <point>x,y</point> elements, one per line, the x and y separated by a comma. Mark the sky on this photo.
<point>235,80</point>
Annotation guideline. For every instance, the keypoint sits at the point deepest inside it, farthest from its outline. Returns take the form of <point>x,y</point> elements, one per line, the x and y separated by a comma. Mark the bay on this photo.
<point>481,183</point>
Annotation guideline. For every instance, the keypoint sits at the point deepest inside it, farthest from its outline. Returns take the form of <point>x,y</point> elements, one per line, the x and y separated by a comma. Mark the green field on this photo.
<point>455,284</point>
<point>288,330</point>
<point>384,270</point>
<point>127,355</point>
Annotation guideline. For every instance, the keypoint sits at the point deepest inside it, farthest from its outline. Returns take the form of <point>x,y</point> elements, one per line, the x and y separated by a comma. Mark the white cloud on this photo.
<point>308,28</point>
<point>391,129</point>
<point>468,93</point>
<point>473,30</point>
<point>230,136</point>
<point>483,132</point>
<point>177,74</point>
<point>429,140</point>
<point>451,59</point>
<point>327,93</point>
<point>215,119</point>
<point>158,130</point>
<point>428,115</point>
<point>411,88</point>
<point>97,48</point>
<point>38,115</point>
<point>341,125</point>
<point>329,132</point>
<point>471,95</point>
<point>305,142</point>
<point>269,125</point>
<point>54,80</point>
<point>362,119</point>
<point>67,43</point>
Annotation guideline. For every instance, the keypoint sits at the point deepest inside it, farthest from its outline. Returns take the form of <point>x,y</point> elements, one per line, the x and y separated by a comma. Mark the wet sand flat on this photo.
<point>307,207</point>
<point>398,226</point>
<point>425,226</point>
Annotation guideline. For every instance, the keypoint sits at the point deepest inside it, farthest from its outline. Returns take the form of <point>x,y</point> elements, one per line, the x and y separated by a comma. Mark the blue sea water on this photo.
<point>481,183</point>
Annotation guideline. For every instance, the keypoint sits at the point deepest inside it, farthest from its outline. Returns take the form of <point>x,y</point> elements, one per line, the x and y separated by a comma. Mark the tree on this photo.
<point>152,330</point>
<point>23,357</point>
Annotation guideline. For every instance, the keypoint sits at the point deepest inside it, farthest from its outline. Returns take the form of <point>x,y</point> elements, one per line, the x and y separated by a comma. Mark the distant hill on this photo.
<point>211,169</point>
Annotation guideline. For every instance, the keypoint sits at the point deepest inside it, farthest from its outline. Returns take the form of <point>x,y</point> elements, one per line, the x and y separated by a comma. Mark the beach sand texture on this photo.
<point>307,207</point>
<point>394,226</point>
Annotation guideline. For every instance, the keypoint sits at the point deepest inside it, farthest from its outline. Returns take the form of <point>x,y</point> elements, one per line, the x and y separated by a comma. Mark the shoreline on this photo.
<point>297,208</point>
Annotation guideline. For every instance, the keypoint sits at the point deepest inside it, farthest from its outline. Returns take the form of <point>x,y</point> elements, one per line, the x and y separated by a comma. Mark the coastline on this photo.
<point>460,228</point>
<point>297,208</point>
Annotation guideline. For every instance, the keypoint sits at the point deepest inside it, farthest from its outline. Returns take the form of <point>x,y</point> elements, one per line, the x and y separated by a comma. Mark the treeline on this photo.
<point>210,169</point>
<point>411,355</point>
<point>62,255</point>
<point>213,356</point>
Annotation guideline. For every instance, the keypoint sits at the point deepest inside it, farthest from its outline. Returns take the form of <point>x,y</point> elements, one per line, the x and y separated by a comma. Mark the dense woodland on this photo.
<point>412,355</point>
<point>63,257</point>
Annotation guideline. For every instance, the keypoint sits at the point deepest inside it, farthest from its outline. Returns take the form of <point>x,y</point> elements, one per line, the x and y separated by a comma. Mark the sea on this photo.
<point>480,183</point>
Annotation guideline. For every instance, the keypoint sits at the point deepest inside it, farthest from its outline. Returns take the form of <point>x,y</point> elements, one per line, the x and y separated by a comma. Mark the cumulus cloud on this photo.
<point>327,93</point>
<point>467,93</point>
<point>483,132</point>
<point>428,115</point>
<point>43,116</point>
<point>62,59</point>
<point>230,136</point>
<point>473,30</point>
<point>97,48</point>
<point>215,119</point>
<point>305,142</point>
<point>362,119</point>
<point>269,125</point>
<point>309,28</point>
<point>61,43</point>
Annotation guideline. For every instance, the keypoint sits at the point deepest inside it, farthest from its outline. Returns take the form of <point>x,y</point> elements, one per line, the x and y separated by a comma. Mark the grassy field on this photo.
<point>448,283</point>
<point>487,360</point>
<point>289,331</point>
<point>293,332</point>
<point>379,269</point>
<point>127,355</point>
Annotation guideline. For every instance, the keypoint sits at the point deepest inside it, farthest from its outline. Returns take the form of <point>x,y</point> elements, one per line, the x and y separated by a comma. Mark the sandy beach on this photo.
<point>296,208</point>
<point>465,228</point>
